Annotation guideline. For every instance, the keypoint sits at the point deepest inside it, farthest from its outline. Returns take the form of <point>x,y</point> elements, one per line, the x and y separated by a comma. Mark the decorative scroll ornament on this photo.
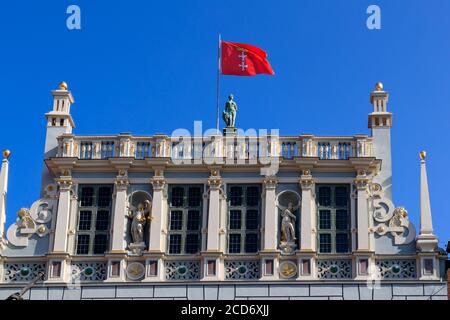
<point>391,220</point>
<point>32,221</point>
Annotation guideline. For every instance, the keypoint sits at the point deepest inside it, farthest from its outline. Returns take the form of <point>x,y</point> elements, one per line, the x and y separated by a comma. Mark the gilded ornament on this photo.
<point>288,269</point>
<point>22,212</point>
<point>63,85</point>
<point>378,86</point>
<point>423,155</point>
<point>6,153</point>
<point>42,229</point>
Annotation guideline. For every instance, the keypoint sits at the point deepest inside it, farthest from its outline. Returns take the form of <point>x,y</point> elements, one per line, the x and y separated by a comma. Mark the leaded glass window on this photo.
<point>244,211</point>
<point>94,217</point>
<point>185,208</point>
<point>333,223</point>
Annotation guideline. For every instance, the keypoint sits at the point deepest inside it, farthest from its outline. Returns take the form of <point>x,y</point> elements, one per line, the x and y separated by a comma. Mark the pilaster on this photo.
<point>362,212</point>
<point>121,183</point>
<point>308,212</point>
<point>214,212</point>
<point>158,225</point>
<point>270,230</point>
<point>63,214</point>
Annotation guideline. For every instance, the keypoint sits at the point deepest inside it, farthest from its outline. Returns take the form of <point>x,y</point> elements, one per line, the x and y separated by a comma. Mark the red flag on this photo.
<point>241,59</point>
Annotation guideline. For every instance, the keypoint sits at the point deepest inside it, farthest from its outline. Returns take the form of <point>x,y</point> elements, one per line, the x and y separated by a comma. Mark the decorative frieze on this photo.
<point>396,269</point>
<point>182,270</point>
<point>334,269</point>
<point>242,270</point>
<point>89,271</point>
<point>22,272</point>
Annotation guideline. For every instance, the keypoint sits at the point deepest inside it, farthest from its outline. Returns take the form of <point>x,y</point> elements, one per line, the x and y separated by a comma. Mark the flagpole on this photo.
<point>218,82</point>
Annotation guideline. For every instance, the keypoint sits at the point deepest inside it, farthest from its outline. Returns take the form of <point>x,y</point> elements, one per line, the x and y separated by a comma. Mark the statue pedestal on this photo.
<point>137,248</point>
<point>287,248</point>
<point>230,131</point>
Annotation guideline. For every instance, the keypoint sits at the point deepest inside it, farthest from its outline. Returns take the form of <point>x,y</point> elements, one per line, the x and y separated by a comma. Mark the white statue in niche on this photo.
<point>139,218</point>
<point>288,237</point>
<point>287,223</point>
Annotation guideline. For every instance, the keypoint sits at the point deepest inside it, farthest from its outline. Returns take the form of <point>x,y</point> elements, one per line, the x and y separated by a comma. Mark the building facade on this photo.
<point>220,216</point>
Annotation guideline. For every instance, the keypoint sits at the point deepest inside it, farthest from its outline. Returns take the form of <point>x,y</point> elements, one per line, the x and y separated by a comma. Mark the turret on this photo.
<point>380,121</point>
<point>59,121</point>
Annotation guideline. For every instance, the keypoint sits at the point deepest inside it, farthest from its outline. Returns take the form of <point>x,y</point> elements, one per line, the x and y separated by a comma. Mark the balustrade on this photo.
<point>238,148</point>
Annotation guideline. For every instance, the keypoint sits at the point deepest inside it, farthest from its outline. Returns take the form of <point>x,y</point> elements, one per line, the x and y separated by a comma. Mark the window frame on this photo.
<point>243,231</point>
<point>333,208</point>
<point>94,209</point>
<point>185,208</point>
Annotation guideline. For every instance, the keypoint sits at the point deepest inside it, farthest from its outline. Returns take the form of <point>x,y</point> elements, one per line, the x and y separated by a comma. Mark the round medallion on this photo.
<point>181,270</point>
<point>135,270</point>
<point>396,268</point>
<point>242,269</point>
<point>88,271</point>
<point>334,269</point>
<point>288,269</point>
<point>25,272</point>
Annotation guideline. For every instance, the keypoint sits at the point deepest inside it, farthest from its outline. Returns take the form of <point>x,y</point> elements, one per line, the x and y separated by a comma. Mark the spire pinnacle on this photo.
<point>427,240</point>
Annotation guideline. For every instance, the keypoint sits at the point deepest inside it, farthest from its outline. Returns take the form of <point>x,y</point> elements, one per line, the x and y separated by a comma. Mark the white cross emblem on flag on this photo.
<point>242,64</point>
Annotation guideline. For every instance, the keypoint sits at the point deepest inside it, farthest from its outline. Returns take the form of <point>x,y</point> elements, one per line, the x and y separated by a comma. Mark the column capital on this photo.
<point>65,183</point>
<point>361,183</point>
<point>306,180</point>
<point>158,183</point>
<point>270,182</point>
<point>214,183</point>
<point>121,183</point>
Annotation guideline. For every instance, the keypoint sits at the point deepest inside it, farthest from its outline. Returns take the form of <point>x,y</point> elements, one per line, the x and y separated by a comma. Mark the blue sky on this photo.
<point>150,66</point>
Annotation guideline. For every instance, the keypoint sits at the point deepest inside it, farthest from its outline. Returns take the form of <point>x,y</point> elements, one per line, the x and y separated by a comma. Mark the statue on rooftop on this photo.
<point>229,114</point>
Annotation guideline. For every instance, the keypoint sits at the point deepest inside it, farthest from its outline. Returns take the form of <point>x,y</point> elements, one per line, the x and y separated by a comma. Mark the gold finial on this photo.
<point>378,86</point>
<point>63,86</point>
<point>22,212</point>
<point>423,155</point>
<point>6,153</point>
